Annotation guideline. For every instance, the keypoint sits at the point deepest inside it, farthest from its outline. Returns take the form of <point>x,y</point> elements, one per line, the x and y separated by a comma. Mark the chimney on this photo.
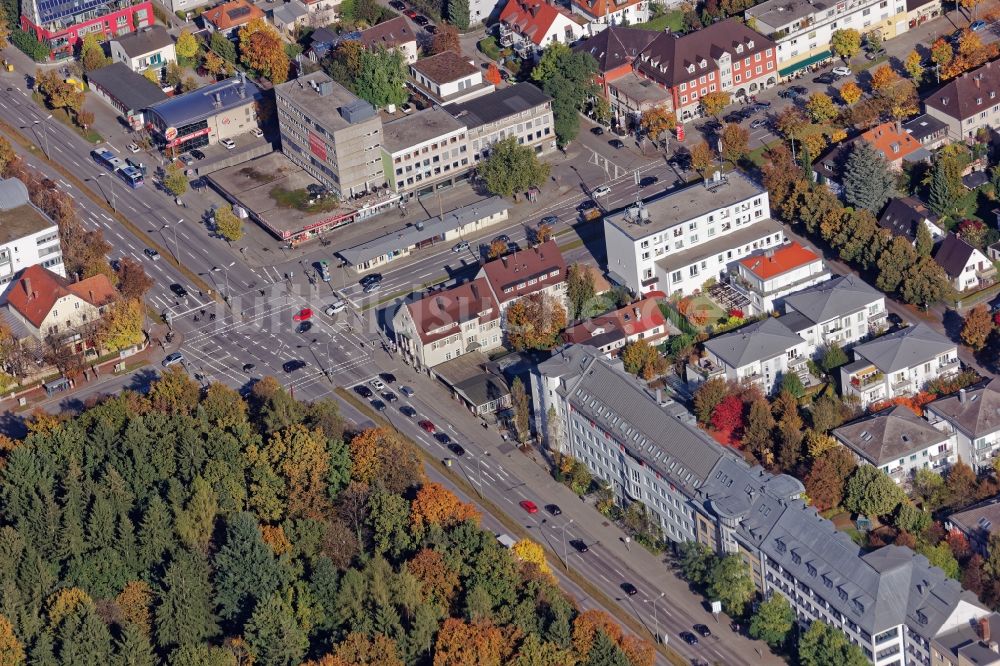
<point>984,629</point>
<point>638,314</point>
<point>961,396</point>
<point>26,282</point>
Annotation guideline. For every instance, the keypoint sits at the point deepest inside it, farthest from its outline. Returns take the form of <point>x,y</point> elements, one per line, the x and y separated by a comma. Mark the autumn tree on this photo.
<point>497,248</point>
<point>790,122</point>
<point>379,456</point>
<point>262,50</point>
<point>174,180</point>
<point>11,649</point>
<point>883,77</point>
<point>479,642</point>
<point>92,52</point>
<point>580,290</point>
<point>702,157</point>
<point>758,436</point>
<point>941,52</point>
<point>977,327</point>
<point>228,224</point>
<point>825,481</point>
<point>213,63</point>
<point>436,505</point>
<point>121,325</point>
<point>735,142</point>
<point>534,322</point>
<point>588,625</point>
<point>657,120</point>
<point>714,102</point>
<point>446,39</point>
<point>522,410</point>
<point>186,46</point>
<point>924,282</point>
<point>914,67</point>
<point>530,552</point>
<point>707,396</point>
<point>358,649</point>
<point>821,108</point>
<point>845,43</point>
<point>727,418</point>
<point>850,92</point>
<point>642,359</point>
<point>493,75</point>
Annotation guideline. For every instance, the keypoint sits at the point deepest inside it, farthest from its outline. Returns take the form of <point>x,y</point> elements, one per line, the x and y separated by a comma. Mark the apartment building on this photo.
<point>676,242</point>
<point>448,78</point>
<point>603,14</point>
<point>899,443</point>
<point>335,136</point>
<point>898,364</point>
<point>973,416</point>
<point>27,235</point>
<point>62,25</point>
<point>977,523</point>
<point>616,49</point>
<point>522,111</point>
<point>841,311</point>
<point>423,149</point>
<point>537,270</point>
<point>767,276</point>
<point>396,34</point>
<point>762,352</point>
<point>803,28</point>
<point>611,331</point>
<point>967,103</point>
<point>528,26</point>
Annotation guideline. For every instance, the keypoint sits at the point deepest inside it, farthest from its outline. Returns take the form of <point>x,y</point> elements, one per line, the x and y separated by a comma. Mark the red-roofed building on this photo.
<point>528,26</point>
<point>524,272</point>
<point>231,16</point>
<point>603,13</point>
<point>766,277</point>
<point>45,303</point>
<point>893,142</point>
<point>613,330</point>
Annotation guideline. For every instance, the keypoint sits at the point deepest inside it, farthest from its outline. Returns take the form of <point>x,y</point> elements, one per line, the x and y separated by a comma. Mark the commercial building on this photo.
<point>898,442</point>
<point>898,364</point>
<point>27,235</point>
<point>205,116</point>
<point>62,24</point>
<point>767,276</point>
<point>331,133</point>
<point>41,303</point>
<point>127,92</point>
<point>616,49</point>
<point>841,311</point>
<point>149,48</point>
<point>762,352</point>
<point>521,111</point>
<point>973,416</point>
<point>229,17</point>
<point>613,330</point>
<point>537,270</point>
<point>966,266</point>
<point>968,103</point>
<point>676,242</point>
<point>803,28</point>
<point>448,78</point>
<point>422,150</point>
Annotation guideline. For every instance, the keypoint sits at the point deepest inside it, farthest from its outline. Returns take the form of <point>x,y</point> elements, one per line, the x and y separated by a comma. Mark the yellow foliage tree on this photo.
<point>883,77</point>
<point>702,157</point>
<point>152,75</point>
<point>654,122</point>
<point>186,46</point>
<point>11,650</point>
<point>481,643</point>
<point>274,536</point>
<point>528,551</point>
<point>818,443</point>
<point>64,602</point>
<point>714,102</point>
<point>377,455</point>
<point>134,602</point>
<point>850,93</point>
<point>121,325</point>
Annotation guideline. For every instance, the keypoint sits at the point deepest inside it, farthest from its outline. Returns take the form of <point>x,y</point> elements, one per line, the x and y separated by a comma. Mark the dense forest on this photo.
<point>193,527</point>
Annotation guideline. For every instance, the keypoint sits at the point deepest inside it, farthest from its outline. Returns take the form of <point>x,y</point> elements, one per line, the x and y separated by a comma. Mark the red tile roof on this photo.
<point>630,320</point>
<point>232,14</point>
<point>439,315</point>
<point>532,18</point>
<point>782,260</point>
<point>894,143</point>
<point>598,8</point>
<point>509,275</point>
<point>36,290</point>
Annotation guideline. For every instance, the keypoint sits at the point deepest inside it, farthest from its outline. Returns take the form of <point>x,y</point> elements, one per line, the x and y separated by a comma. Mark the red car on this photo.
<point>411,14</point>
<point>528,506</point>
<point>427,426</point>
<point>303,315</point>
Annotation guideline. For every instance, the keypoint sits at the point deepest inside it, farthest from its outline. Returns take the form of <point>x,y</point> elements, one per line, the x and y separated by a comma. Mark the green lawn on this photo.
<point>62,115</point>
<point>702,303</point>
<point>673,20</point>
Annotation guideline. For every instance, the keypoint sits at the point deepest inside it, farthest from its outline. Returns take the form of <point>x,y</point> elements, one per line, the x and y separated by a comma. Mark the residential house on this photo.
<point>928,130</point>
<point>677,241</point>
<point>41,303</point>
<point>28,237</point>
<point>394,34</point>
<point>762,352</point>
<point>521,111</point>
<point>903,216</point>
<point>827,169</point>
<point>968,103</point>
<point>613,330</point>
<point>322,12</point>
<point>62,25</point>
<point>973,415</point>
<point>447,324</point>
<point>724,57</point>
<point>448,78</point>
<point>538,270</point>
<point>603,14</point>
<point>993,251</point>
<point>841,311</point>
<point>898,442</point>
<point>528,26</point>
<point>289,18</point>
<point>423,149</point>
<point>767,276</point>
<point>149,48</point>
<point>895,145</point>
<point>966,266</point>
<point>898,364</point>
<point>976,523</point>
<point>229,17</point>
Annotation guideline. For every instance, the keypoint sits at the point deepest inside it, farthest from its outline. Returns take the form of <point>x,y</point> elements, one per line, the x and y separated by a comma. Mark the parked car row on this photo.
<point>414,16</point>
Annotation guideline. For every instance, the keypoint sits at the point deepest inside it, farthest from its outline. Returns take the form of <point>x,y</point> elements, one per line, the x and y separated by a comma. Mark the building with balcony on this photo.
<point>677,241</point>
<point>149,48</point>
<point>448,78</point>
<point>977,524</point>
<point>968,103</point>
<point>27,235</point>
<point>603,14</point>
<point>841,311</point>
<point>63,23</point>
<point>613,330</point>
<point>967,267</point>
<point>973,416</point>
<point>928,130</point>
<point>767,276</point>
<point>762,352</point>
<point>803,28</point>
<point>898,364</point>
<point>521,111</point>
<point>528,26</point>
<point>396,34</point>
<point>334,135</point>
<point>424,149</point>
<point>899,443</point>
<point>41,304</point>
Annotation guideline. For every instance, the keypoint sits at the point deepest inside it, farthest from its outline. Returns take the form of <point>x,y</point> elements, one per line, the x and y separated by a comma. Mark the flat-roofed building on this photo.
<point>522,111</point>
<point>27,235</point>
<point>767,276</point>
<point>423,149</point>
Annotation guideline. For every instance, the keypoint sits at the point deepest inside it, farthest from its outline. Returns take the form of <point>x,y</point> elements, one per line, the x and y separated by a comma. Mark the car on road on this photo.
<point>197,154</point>
<point>378,404</point>
<point>648,180</point>
<point>304,327</point>
<point>335,308</point>
<point>580,545</point>
<point>553,509</point>
<point>293,365</point>
<point>389,396</point>
<point>617,144</point>
<point>248,367</point>
<point>442,437</point>
<point>597,131</point>
<point>371,278</point>
<point>587,205</point>
<point>228,143</point>
<point>427,426</point>
<point>133,147</point>
<point>377,384</point>
<point>407,391</point>
<point>689,638</point>
<point>502,238</point>
<point>757,124</point>
<point>528,506</point>
<point>363,391</point>
<point>257,132</point>
<point>976,26</point>
<point>602,191</point>
<point>172,359</point>
<point>372,287</point>
<point>422,21</point>
<point>843,71</point>
<point>629,589</point>
<point>151,253</point>
<point>460,247</point>
<point>407,411</point>
<point>387,377</point>
<point>826,78</point>
<point>179,290</point>
<point>457,449</point>
<point>186,159</point>
<point>397,5</point>
<point>703,630</point>
<point>549,220</point>
<point>323,266</point>
<point>304,314</point>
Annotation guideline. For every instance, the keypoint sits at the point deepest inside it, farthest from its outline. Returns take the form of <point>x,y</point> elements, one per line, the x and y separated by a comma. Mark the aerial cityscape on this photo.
<point>499,332</point>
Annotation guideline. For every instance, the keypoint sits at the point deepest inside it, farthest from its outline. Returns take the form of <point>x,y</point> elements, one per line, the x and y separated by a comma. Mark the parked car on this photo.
<point>617,144</point>
<point>372,288</point>
<point>629,589</point>
<point>799,90</point>
<point>422,21</point>
<point>431,29</point>
<point>733,117</point>
<point>786,94</point>
<point>843,71</point>
<point>186,160</point>
<point>580,545</point>
<point>378,404</point>
<point>648,180</point>
<point>827,78</point>
<point>528,506</point>
<point>377,384</point>
<point>442,437</point>
<point>363,391</point>
<point>597,131</point>
<point>197,154</point>
<point>172,359</point>
<point>875,55</point>
<point>407,391</point>
<point>370,279</point>
<point>397,5</point>
<point>387,377</point>
<point>410,14</point>
<point>757,124</point>
<point>228,143</point>
<point>549,220</point>
<point>257,132</point>
<point>975,26</point>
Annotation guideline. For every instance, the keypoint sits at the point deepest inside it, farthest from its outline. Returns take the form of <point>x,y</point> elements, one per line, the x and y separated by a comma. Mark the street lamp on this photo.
<point>216,269</point>
<point>174,227</point>
<point>45,135</point>
<point>565,551</point>
<point>656,621</point>
<point>114,204</point>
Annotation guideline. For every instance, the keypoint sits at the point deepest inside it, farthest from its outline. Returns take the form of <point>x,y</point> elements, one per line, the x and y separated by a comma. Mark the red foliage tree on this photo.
<point>959,545</point>
<point>727,418</point>
<point>493,74</point>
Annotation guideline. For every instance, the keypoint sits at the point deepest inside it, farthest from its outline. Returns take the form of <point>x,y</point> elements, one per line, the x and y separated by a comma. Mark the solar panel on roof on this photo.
<point>239,12</point>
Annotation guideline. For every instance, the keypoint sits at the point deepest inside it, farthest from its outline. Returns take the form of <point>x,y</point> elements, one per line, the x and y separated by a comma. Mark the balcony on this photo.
<point>865,379</point>
<point>901,386</point>
<point>951,366</point>
<point>943,455</point>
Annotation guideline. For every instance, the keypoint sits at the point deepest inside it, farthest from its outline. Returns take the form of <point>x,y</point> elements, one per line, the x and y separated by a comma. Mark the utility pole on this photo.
<point>565,551</point>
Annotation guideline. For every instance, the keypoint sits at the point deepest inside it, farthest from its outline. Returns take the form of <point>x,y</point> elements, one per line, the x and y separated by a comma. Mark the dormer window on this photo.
<point>750,44</point>
<point>993,94</point>
<point>703,64</point>
<point>690,69</point>
<point>979,100</point>
<point>739,48</point>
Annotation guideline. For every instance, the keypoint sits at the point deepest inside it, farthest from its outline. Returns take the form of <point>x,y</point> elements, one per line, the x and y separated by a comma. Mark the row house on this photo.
<point>766,277</point>
<point>841,311</point>
<point>973,416</point>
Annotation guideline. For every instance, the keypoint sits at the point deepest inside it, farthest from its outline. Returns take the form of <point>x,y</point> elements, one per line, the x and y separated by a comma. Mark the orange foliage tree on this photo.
<point>493,74</point>
<point>436,504</point>
<point>587,624</point>
<point>482,643</point>
<point>275,537</point>
<point>377,455</point>
<point>358,649</point>
<point>11,650</point>
<point>262,50</point>
<point>134,602</point>
<point>438,580</point>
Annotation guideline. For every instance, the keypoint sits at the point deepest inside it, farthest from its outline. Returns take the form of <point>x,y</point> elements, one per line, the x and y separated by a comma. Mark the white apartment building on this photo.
<point>972,416</point>
<point>841,311</point>
<point>423,149</point>
<point>762,352</point>
<point>676,242</point>
<point>898,364</point>
<point>767,276</point>
<point>967,103</point>
<point>27,235</point>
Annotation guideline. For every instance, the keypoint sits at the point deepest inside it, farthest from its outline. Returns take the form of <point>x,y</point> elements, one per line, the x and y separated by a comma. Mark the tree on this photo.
<point>697,561</point>
<point>758,437</point>
<point>534,322</point>
<point>223,47</point>
<point>971,6</point>
<point>436,505</point>
<point>274,634</point>
<point>92,52</point>
<point>522,411</point>
<point>657,120</point>
<point>186,46</point>
<point>821,108</point>
<point>924,242</point>
<point>772,621</point>
<point>735,142</point>
<point>642,359</point>
<point>868,183</point>
<point>196,521</point>
<point>960,484</point>
<point>480,642</point>
<point>850,92</point>
<point>789,431</point>
<point>580,290</point>
<point>512,168</point>
<point>184,613</point>
<point>730,582</point>
<point>133,283</point>
<point>825,481</point>
<point>708,396</point>
<point>358,648</point>
<point>263,51</point>
<point>727,417</point>
<point>213,63</point>
<point>568,77</point>
<point>379,456</point>
<point>833,356</point>
<point>914,67</point>
<point>883,78</point>
<point>493,74</point>
<point>528,551</point>
<point>822,645</point>
<point>228,224</point>
<point>446,39</point>
<point>604,652</point>
<point>175,180</point>
<point>942,52</point>
<point>946,184</point>
<point>924,282</point>
<point>714,102</point>
<point>870,492</point>
<point>792,383</point>
<point>790,122</point>
<point>121,325</point>
<point>246,571</point>
<point>977,327</point>
<point>702,157</point>
<point>458,13</point>
<point>134,602</point>
<point>845,43</point>
<point>893,262</point>
<point>11,649</point>
<point>133,647</point>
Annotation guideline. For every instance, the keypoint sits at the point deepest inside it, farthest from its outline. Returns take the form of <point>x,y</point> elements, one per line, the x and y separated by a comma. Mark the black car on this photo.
<point>371,278</point>
<point>387,377</point>
<point>586,205</point>
<point>407,411</point>
<point>799,90</point>
<point>502,238</point>
<point>363,391</point>
<point>304,327</point>
<point>553,509</point>
<point>630,590</point>
<point>197,154</point>
<point>617,144</point>
<point>430,29</point>
<point>457,449</point>
<point>703,630</point>
<point>689,638</point>
<point>648,180</point>
<point>733,117</point>
<point>597,131</point>
<point>787,94</point>
<point>764,104</point>
<point>580,546</point>
<point>379,405</point>
<point>179,290</point>
<point>549,220</point>
<point>292,366</point>
<point>389,396</point>
<point>826,79</point>
<point>442,437</point>
<point>397,5</point>
<point>421,21</point>
<point>248,367</point>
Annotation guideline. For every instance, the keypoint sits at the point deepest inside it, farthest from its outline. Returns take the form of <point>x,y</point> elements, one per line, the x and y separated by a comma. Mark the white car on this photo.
<point>334,308</point>
<point>228,143</point>
<point>842,71</point>
<point>602,191</point>
<point>133,147</point>
<point>257,132</point>
<point>377,384</point>
<point>460,247</point>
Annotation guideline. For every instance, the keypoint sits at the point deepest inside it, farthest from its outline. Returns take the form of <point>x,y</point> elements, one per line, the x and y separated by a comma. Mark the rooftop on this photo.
<point>207,101</point>
<point>616,46</point>
<point>599,8</point>
<point>772,263</point>
<point>893,144</point>
<point>532,18</point>
<point>524,272</point>
<point>232,14</point>
<point>778,13</point>
<point>889,435</point>
<point>146,40</point>
<point>18,216</point>
<point>747,234</point>
<point>324,100</point>
<point>680,205</point>
<point>389,34</point>
<point>416,128</point>
<point>953,254</point>
<point>498,105</point>
<point>924,126</point>
<point>445,67</point>
<point>290,12</point>
<point>975,411</point>
<point>616,325</point>
<point>969,94</point>
<point>979,519</point>
<point>35,291</point>
<point>134,91</point>
<point>754,342</point>
<point>904,349</point>
<point>438,315</point>
<point>902,215</point>
<point>834,298</point>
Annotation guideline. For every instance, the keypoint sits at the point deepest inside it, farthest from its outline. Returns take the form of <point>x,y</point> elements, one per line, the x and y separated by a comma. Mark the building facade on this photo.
<point>537,270</point>
<point>448,78</point>
<point>762,352</point>
<point>27,236</point>
<point>528,26</point>
<point>767,276</point>
<point>973,416</point>
<point>602,14</point>
<point>966,266</point>
<point>44,304</point>
<point>968,103</point>
<point>149,48</point>
<point>611,331</point>
<point>62,24</point>
<point>841,311</point>
<point>423,149</point>
<point>521,111</point>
